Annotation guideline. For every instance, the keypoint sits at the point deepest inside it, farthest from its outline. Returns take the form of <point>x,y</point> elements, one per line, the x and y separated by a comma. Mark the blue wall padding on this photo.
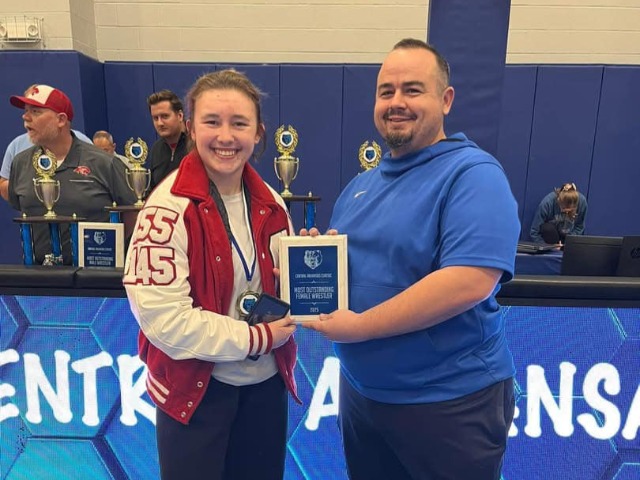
<point>357,117</point>
<point>94,101</point>
<point>558,123</point>
<point>178,77</point>
<point>19,69</point>
<point>614,192</point>
<point>127,88</point>
<point>518,95</point>
<point>563,132</point>
<point>472,36</point>
<point>311,101</point>
<point>11,251</point>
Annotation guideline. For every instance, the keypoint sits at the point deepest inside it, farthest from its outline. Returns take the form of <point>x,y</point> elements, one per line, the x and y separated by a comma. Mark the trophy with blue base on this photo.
<point>313,275</point>
<point>47,190</point>
<point>286,167</point>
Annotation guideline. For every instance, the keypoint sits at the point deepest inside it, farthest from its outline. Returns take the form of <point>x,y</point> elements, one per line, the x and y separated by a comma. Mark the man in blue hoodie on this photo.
<point>426,388</point>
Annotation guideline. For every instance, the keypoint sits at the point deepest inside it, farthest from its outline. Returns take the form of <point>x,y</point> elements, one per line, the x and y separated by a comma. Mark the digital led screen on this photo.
<point>73,402</point>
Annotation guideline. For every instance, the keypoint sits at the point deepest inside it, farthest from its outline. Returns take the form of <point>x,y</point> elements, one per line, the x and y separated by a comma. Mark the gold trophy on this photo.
<point>369,155</point>
<point>47,189</point>
<point>286,165</point>
<point>138,177</point>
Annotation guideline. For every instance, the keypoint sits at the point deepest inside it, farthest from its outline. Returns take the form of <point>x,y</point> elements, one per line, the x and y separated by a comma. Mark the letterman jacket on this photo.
<point>179,281</point>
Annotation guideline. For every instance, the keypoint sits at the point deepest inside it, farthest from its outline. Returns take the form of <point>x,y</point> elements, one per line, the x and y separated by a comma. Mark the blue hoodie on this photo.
<point>447,204</point>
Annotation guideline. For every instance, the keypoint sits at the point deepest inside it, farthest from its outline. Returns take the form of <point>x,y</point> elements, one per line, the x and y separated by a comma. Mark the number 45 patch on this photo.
<point>151,260</point>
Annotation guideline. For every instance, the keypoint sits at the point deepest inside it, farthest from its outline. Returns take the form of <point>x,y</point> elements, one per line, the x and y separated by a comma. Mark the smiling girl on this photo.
<point>204,248</point>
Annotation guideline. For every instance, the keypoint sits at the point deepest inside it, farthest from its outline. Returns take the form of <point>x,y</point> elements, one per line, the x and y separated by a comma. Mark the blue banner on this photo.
<point>73,402</point>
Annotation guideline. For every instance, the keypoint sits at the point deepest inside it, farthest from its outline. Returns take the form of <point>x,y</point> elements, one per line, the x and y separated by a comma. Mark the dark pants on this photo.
<point>458,439</point>
<point>236,433</point>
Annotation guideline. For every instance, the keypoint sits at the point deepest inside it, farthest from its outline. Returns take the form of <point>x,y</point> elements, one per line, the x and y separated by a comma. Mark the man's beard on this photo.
<point>396,140</point>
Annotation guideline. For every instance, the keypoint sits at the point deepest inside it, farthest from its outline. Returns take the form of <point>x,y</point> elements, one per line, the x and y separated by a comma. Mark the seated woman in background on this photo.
<point>560,213</point>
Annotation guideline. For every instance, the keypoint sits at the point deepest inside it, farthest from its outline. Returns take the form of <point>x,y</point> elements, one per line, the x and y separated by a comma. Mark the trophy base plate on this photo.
<point>124,208</point>
<point>44,219</point>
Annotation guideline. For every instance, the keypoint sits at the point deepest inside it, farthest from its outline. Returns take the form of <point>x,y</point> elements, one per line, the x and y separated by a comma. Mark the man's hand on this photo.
<point>342,326</point>
<point>314,232</point>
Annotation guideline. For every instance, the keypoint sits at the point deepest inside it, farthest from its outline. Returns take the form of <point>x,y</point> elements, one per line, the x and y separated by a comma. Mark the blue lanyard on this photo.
<point>213,191</point>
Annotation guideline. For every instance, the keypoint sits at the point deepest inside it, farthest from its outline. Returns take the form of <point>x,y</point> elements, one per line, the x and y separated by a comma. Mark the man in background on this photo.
<point>104,141</point>
<point>426,385</point>
<point>168,119</point>
<point>17,145</point>
<point>89,178</point>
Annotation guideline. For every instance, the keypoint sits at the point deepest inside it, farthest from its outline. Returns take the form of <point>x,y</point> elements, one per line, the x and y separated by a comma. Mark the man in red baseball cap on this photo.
<point>89,178</point>
<point>47,118</point>
<point>44,96</point>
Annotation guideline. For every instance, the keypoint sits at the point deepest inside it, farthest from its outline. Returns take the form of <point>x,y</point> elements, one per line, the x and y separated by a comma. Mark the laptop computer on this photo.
<point>629,262</point>
<point>533,247</point>
<point>591,255</point>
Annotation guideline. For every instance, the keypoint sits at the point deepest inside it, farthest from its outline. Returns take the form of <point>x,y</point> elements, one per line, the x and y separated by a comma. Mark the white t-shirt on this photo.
<point>246,372</point>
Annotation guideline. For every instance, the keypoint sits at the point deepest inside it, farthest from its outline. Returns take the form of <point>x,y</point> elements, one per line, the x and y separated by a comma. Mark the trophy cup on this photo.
<point>369,155</point>
<point>286,165</point>
<point>47,189</point>
<point>138,177</point>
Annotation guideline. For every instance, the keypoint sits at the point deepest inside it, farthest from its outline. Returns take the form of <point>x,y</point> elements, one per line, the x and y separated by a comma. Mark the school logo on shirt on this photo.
<point>83,170</point>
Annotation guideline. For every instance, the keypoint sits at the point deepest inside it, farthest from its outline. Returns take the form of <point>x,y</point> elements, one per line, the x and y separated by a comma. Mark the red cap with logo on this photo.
<point>44,96</point>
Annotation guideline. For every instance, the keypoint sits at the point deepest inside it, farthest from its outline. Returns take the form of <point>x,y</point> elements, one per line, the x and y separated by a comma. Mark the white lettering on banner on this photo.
<point>328,383</point>
<point>88,367</point>
<point>36,382</point>
<point>561,413</point>
<point>601,377</point>
<point>538,392</point>
<point>608,375</point>
<point>131,391</point>
<point>9,410</point>
<point>630,429</point>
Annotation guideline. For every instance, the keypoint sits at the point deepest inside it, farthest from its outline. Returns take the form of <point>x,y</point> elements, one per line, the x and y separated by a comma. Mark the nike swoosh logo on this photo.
<point>359,193</point>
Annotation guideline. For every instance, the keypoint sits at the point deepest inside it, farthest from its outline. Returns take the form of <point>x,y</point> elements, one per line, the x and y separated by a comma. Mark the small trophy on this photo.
<point>138,177</point>
<point>47,189</point>
<point>286,165</point>
<point>369,155</point>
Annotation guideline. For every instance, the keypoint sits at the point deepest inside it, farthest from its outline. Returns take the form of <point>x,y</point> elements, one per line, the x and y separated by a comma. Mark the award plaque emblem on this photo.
<point>138,177</point>
<point>47,189</point>
<point>286,165</point>
<point>369,155</point>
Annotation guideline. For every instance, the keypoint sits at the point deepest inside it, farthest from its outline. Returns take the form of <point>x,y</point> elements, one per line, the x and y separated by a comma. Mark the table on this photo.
<point>538,263</point>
